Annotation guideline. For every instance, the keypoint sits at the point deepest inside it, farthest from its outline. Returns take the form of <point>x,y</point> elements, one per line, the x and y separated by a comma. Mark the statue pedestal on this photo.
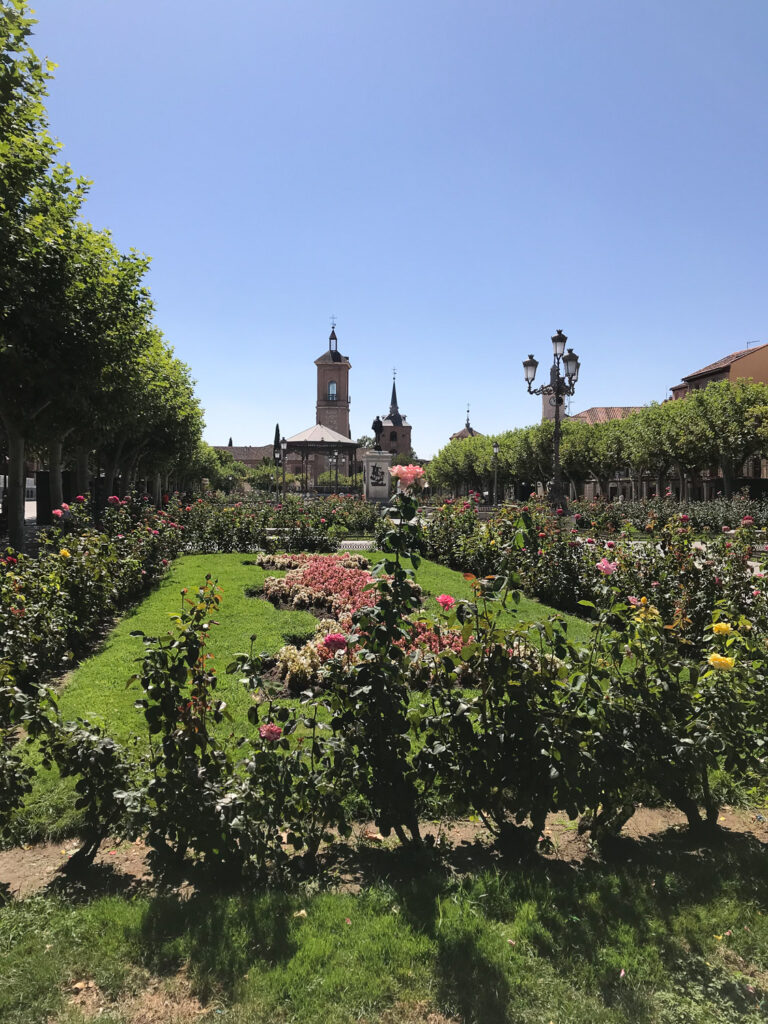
<point>376,479</point>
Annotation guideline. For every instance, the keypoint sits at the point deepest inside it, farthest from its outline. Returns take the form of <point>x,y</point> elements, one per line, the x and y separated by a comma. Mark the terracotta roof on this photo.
<point>246,452</point>
<point>319,434</point>
<point>724,363</point>
<point>466,431</point>
<point>332,356</point>
<point>605,413</point>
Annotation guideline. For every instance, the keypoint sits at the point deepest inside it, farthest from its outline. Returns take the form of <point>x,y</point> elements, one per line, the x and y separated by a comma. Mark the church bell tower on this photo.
<point>333,387</point>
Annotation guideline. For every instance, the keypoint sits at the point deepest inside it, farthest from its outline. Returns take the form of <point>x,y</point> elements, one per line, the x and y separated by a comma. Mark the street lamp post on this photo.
<point>283,452</point>
<point>336,467</point>
<point>560,385</point>
<point>496,471</point>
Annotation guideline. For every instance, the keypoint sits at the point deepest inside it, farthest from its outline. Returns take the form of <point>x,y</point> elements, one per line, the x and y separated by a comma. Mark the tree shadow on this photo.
<point>219,938</point>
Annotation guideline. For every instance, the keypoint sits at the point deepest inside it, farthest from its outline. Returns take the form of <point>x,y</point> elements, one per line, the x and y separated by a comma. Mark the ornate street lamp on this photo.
<point>495,470</point>
<point>560,385</point>
<point>336,464</point>
<point>284,452</point>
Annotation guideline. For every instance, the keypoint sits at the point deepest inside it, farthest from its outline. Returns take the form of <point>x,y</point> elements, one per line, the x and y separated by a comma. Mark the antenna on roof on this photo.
<point>758,342</point>
<point>332,318</point>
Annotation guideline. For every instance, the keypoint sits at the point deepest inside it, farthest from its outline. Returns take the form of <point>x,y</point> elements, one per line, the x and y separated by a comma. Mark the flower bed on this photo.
<point>295,524</point>
<point>51,604</point>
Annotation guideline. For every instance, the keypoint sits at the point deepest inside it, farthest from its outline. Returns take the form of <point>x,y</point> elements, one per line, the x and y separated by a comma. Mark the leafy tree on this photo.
<point>736,415</point>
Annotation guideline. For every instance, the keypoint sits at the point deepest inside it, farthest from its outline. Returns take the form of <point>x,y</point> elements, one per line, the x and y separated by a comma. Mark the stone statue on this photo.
<point>378,429</point>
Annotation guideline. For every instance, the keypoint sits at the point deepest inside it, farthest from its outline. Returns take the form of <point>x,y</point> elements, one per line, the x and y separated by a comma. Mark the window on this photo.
<point>393,436</point>
<point>331,390</point>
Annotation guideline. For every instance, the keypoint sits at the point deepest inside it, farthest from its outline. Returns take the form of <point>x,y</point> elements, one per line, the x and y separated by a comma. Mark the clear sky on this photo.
<point>454,179</point>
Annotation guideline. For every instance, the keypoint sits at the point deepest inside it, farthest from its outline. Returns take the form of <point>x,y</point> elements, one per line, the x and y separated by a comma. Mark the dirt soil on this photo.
<point>167,1001</point>
<point>122,866</point>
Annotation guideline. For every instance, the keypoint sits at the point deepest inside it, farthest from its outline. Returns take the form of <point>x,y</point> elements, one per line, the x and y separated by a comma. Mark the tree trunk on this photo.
<point>158,495</point>
<point>16,489</point>
<point>728,481</point>
<point>83,470</point>
<point>110,469</point>
<point>54,473</point>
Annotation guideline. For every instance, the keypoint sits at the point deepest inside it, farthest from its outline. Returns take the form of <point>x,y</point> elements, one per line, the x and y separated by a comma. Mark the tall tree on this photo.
<point>38,205</point>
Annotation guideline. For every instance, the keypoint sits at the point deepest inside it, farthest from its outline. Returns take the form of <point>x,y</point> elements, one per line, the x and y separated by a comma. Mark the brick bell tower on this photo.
<point>333,387</point>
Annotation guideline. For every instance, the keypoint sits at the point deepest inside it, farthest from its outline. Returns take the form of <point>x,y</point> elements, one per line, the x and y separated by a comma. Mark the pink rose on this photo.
<point>270,732</point>
<point>606,568</point>
<point>633,600</point>
<point>590,540</point>
<point>726,530</point>
<point>58,513</point>
<point>113,500</point>
<point>446,601</point>
<point>684,518</point>
<point>610,544</point>
<point>746,521</point>
<point>80,498</point>
<point>335,642</point>
<point>65,506</point>
<point>560,512</point>
<point>409,476</point>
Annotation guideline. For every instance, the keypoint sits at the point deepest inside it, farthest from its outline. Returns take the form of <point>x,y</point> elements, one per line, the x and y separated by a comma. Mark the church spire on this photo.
<point>393,410</point>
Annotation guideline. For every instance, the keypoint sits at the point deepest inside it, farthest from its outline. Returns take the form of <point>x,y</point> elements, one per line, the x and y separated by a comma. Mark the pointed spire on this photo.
<point>468,426</point>
<point>393,410</point>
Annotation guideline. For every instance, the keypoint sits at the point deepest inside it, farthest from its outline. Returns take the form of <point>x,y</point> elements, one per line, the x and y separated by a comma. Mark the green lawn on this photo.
<point>98,689</point>
<point>665,936</point>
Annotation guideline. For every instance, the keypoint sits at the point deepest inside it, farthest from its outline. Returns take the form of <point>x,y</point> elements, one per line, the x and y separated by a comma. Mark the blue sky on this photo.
<point>454,180</point>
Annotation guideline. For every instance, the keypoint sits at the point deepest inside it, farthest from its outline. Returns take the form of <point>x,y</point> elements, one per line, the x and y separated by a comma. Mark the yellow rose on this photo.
<point>64,553</point>
<point>722,628</point>
<point>721,662</point>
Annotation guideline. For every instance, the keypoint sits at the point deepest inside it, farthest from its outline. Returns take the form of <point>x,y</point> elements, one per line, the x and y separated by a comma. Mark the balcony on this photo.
<point>334,398</point>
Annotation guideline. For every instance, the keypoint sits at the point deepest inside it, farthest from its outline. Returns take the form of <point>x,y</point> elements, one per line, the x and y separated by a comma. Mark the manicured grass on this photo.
<point>96,690</point>
<point>436,579</point>
<point>668,937</point>
<point>99,691</point>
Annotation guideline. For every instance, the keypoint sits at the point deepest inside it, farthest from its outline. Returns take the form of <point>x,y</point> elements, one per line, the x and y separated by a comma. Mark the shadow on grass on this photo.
<point>642,906</point>
<point>219,938</point>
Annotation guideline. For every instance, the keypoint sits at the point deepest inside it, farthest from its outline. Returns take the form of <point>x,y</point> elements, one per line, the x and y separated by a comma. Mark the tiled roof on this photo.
<point>604,413</point>
<point>246,452</point>
<point>319,434</point>
<point>724,363</point>
<point>332,356</point>
<point>466,431</point>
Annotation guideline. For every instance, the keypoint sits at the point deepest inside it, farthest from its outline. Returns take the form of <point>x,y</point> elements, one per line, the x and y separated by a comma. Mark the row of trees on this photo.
<point>84,372</point>
<point>718,428</point>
